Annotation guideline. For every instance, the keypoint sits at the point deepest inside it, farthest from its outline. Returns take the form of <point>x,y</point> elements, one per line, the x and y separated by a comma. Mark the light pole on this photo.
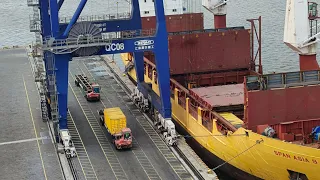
<point>117,9</point>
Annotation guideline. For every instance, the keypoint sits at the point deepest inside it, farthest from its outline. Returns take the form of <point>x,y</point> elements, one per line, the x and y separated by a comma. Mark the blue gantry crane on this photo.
<point>65,38</point>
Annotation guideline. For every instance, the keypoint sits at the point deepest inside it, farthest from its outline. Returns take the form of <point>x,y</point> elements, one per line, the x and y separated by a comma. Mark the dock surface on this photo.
<point>149,158</point>
<point>188,157</point>
<point>27,150</point>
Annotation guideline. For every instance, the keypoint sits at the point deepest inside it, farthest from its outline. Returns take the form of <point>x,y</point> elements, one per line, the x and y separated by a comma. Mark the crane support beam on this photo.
<point>45,28</point>
<point>139,67</point>
<point>45,18</point>
<point>162,59</point>
<point>54,18</point>
<point>62,70</point>
<point>60,3</point>
<point>75,17</point>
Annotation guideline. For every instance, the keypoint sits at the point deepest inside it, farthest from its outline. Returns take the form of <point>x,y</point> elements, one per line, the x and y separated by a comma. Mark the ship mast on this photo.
<point>219,10</point>
<point>299,32</point>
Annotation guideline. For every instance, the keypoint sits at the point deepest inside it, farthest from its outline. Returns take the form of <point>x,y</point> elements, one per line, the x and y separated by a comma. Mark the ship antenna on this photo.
<point>188,28</point>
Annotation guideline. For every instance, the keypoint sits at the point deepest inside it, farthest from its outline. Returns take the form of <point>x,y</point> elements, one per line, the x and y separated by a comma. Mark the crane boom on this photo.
<point>297,32</point>
<point>296,28</point>
<point>217,7</point>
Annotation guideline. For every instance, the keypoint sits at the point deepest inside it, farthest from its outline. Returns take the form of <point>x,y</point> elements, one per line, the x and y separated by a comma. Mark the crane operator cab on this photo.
<point>123,139</point>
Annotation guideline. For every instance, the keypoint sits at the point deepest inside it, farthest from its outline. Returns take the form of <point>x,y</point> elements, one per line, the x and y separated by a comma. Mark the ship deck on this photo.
<point>27,150</point>
<point>218,96</point>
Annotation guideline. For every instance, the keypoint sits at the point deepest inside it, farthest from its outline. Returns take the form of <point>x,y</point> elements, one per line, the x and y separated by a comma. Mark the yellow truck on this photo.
<point>116,123</point>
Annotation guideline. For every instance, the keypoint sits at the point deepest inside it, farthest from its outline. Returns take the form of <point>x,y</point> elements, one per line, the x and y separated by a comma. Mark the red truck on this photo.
<point>91,90</point>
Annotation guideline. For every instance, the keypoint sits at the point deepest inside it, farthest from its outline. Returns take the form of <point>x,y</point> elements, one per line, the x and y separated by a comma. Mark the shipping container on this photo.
<point>114,120</point>
<point>209,51</point>
<point>176,23</point>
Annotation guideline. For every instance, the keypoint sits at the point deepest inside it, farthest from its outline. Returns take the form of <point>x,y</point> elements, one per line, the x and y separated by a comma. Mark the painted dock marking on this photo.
<point>37,87</point>
<point>34,127</point>
<point>154,136</point>
<point>24,140</point>
<point>82,154</point>
<point>138,152</point>
<point>103,142</point>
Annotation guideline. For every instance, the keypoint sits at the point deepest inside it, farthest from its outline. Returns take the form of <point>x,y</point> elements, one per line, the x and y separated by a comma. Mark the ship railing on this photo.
<point>224,125</point>
<point>33,2</point>
<point>95,18</point>
<point>193,110</point>
<point>282,80</point>
<point>207,30</point>
<point>69,45</point>
<point>212,115</point>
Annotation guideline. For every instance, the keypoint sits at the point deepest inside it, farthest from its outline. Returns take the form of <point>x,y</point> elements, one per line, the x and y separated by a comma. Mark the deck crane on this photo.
<point>219,10</point>
<point>64,38</point>
<point>299,33</point>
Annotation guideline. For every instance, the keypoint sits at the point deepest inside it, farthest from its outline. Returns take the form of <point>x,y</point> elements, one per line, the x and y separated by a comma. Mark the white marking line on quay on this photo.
<point>24,140</point>
<point>34,127</point>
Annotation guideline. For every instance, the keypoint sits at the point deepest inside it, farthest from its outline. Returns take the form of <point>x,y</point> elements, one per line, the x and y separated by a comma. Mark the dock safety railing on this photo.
<point>35,23</point>
<point>33,2</point>
<point>94,18</point>
<point>35,26</point>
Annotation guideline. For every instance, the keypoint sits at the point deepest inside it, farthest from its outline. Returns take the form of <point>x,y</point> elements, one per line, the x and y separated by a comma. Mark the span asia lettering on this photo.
<point>295,157</point>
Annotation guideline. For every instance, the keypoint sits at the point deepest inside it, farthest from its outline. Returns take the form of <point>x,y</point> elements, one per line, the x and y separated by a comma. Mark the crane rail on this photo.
<point>73,169</point>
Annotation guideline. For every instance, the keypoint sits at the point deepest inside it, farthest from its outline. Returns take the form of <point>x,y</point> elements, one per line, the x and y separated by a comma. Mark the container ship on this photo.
<point>245,123</point>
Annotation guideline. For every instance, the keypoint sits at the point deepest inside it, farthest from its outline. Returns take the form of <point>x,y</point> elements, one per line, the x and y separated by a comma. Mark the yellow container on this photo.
<point>114,120</point>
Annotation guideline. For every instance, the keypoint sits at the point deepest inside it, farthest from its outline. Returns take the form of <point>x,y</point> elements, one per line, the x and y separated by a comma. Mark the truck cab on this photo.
<point>95,93</point>
<point>114,120</point>
<point>123,139</point>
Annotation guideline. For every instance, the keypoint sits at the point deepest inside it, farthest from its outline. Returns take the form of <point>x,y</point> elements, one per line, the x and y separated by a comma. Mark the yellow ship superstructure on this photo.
<point>249,155</point>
